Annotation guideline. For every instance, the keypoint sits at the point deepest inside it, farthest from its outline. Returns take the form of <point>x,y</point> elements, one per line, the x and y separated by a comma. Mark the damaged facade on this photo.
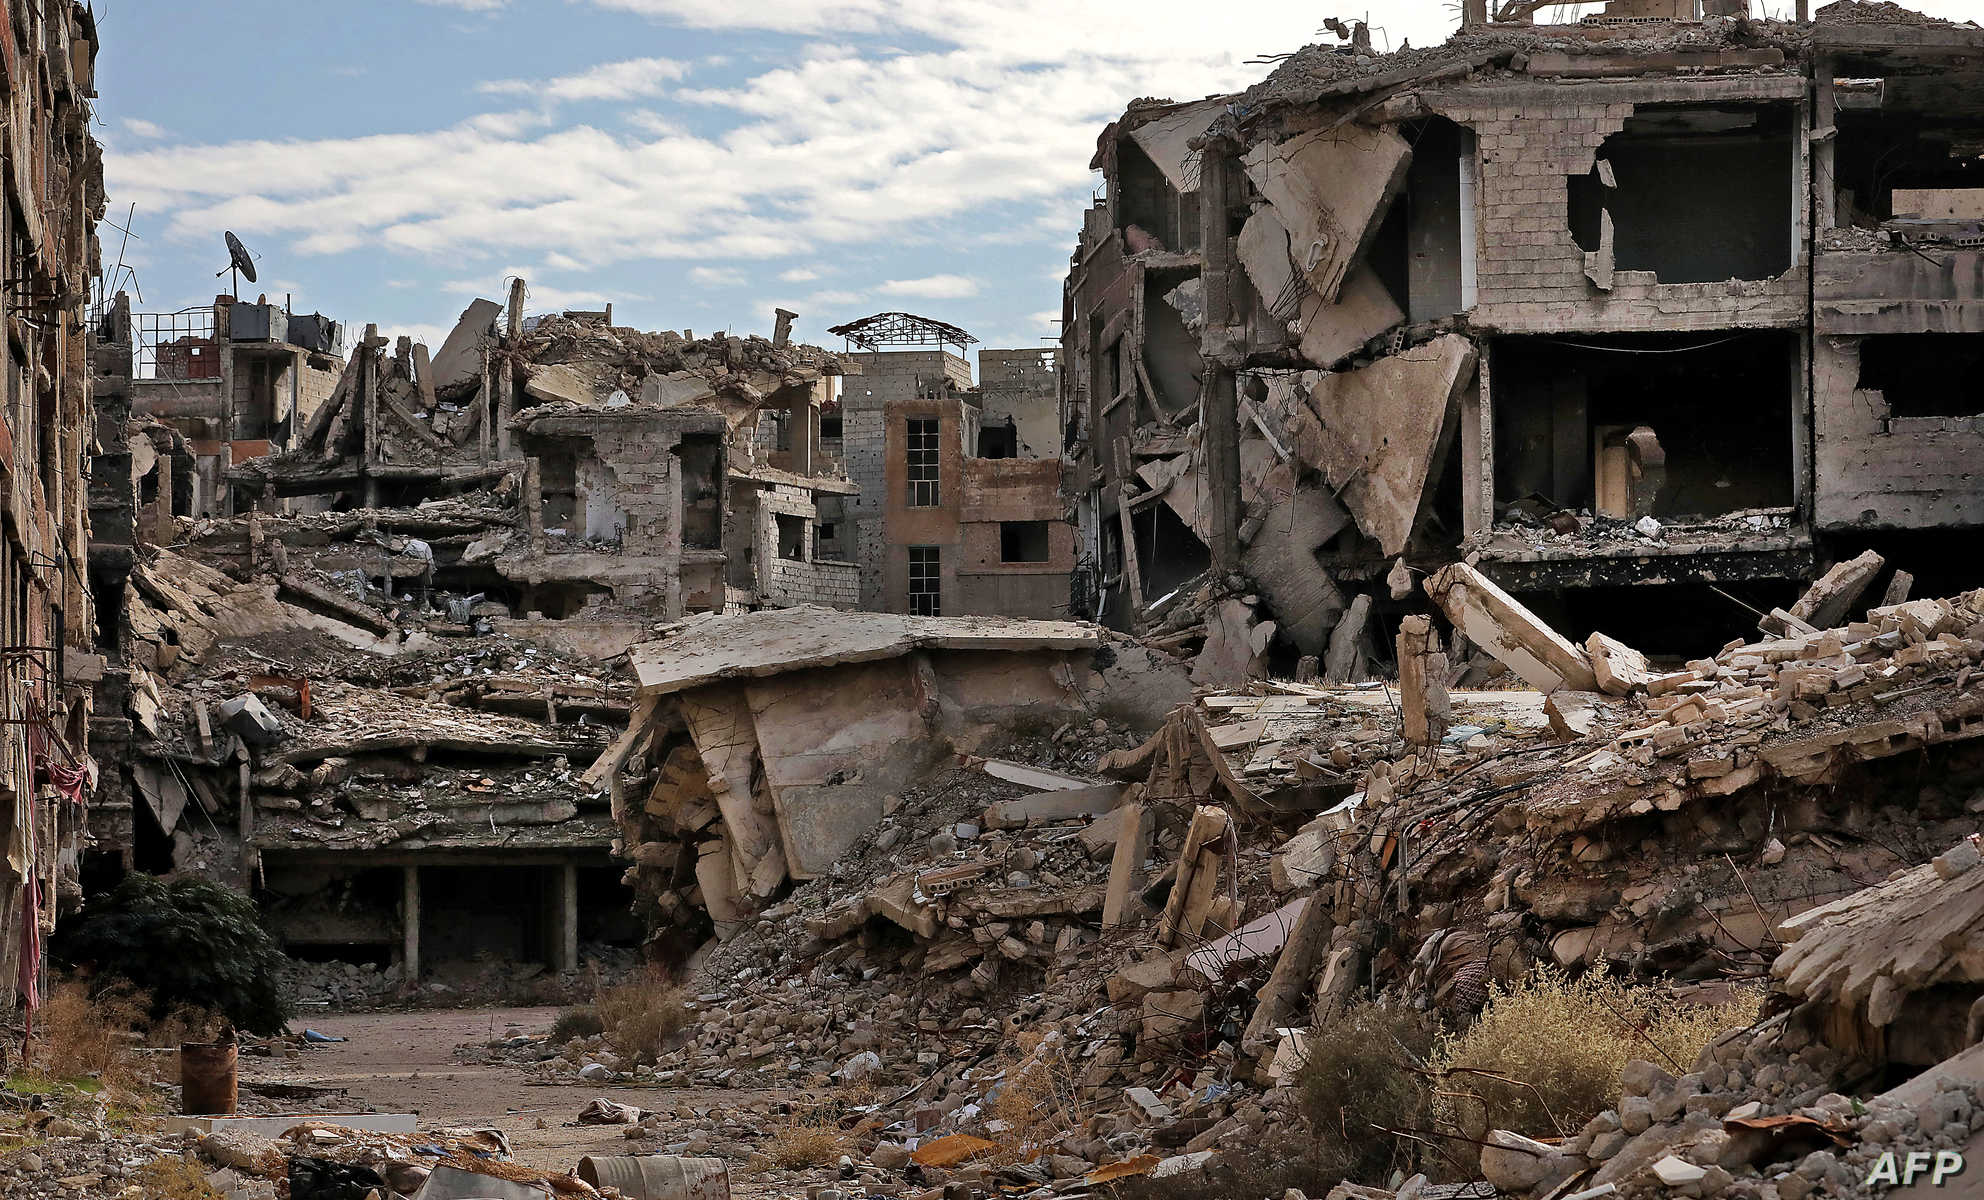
<point>359,666</point>
<point>53,173</point>
<point>1644,303</point>
<point>959,511</point>
<point>219,385</point>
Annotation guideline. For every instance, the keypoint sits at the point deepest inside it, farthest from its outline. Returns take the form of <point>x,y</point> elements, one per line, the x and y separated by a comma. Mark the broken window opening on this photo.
<point>1925,374</point>
<point>1146,199</point>
<point>1169,554</point>
<point>1696,193</point>
<point>831,534</point>
<point>921,441</point>
<point>999,441</point>
<point>565,598</point>
<point>1717,409</point>
<point>1417,252</point>
<point>1171,349</point>
<point>1023,541</point>
<point>926,584</point>
<point>558,485</point>
<point>1902,134</point>
<point>791,537</point>
<point>701,457</point>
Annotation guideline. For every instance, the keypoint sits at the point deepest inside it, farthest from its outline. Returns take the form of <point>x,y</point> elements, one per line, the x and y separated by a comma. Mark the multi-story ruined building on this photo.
<point>236,381</point>
<point>53,173</point>
<point>959,510</point>
<point>1625,310</point>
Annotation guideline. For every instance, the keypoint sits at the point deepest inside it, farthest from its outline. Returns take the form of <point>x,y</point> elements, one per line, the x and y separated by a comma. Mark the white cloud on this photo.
<point>540,295</point>
<point>716,277</point>
<point>425,334</point>
<point>799,275</point>
<point>608,81</point>
<point>138,127</point>
<point>839,145</point>
<point>932,287</point>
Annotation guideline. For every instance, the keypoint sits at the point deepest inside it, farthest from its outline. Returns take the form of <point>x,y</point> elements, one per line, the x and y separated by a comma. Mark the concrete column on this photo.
<point>410,921</point>
<point>224,344</point>
<point>803,426</point>
<point>533,497</point>
<point>506,377</point>
<point>1825,153</point>
<point>485,415</point>
<point>368,402</point>
<point>568,917</point>
<point>1220,419</point>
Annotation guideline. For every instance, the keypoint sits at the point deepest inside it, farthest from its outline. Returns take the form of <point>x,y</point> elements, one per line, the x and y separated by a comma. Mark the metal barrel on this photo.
<point>208,1076</point>
<point>659,1176</point>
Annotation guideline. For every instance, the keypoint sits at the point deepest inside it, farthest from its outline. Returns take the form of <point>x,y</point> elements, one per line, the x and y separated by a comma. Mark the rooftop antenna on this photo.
<point>239,263</point>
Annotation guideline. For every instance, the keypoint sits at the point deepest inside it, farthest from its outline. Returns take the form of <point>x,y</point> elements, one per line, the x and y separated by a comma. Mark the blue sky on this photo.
<point>696,162</point>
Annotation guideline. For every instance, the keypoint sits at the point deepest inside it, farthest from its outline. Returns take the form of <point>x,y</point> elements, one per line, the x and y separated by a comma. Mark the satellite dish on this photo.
<point>238,261</point>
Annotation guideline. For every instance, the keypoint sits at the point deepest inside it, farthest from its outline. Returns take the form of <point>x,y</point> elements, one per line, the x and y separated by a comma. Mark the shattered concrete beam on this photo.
<point>1510,633</point>
<point>1826,603</point>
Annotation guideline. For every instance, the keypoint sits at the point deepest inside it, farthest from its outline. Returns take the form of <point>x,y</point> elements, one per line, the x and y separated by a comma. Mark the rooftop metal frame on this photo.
<point>902,329</point>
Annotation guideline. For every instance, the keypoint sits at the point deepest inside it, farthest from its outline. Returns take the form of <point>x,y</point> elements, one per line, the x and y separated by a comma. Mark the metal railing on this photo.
<point>177,346</point>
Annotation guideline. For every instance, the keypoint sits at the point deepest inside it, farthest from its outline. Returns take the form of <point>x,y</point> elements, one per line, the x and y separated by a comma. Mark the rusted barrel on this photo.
<point>659,1176</point>
<point>208,1074</point>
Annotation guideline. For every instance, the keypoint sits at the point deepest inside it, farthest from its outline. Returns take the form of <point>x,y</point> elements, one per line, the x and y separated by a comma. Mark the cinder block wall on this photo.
<point>1531,273</point>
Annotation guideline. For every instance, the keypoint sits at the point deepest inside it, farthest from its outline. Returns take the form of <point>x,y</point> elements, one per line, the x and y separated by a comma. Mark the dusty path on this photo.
<point>404,1062</point>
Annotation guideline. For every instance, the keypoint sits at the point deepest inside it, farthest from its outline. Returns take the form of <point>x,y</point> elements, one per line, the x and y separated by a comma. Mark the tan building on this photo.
<point>960,511</point>
<point>54,182</point>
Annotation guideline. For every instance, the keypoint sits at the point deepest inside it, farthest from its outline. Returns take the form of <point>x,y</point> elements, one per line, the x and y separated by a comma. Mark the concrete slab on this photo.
<point>274,1127</point>
<point>1382,429</point>
<point>1331,188</point>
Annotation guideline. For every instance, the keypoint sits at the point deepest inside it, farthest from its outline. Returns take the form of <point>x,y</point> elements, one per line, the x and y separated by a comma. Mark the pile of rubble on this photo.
<point>1158,928</point>
<point>364,986</point>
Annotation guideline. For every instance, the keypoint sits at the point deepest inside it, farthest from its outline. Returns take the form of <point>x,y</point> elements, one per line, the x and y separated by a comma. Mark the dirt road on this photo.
<point>404,1062</point>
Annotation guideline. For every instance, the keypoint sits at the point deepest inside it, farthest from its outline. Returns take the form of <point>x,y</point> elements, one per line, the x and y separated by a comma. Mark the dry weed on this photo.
<point>79,1035</point>
<point>184,1024</point>
<point>639,1018</point>
<point>1546,1053</point>
<point>808,1137</point>
<point>173,1178</point>
<point>1040,1098</point>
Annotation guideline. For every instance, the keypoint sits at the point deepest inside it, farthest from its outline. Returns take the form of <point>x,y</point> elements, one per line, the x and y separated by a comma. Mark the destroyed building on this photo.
<point>959,510</point>
<point>54,191</point>
<point>222,383</point>
<point>1617,310</point>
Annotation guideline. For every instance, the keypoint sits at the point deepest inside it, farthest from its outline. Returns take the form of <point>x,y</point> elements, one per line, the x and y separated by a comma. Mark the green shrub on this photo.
<point>1363,1077</point>
<point>186,943</point>
<point>575,1023</point>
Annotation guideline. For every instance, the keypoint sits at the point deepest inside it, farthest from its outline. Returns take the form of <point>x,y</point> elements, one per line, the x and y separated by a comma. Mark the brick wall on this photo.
<point>1531,273</point>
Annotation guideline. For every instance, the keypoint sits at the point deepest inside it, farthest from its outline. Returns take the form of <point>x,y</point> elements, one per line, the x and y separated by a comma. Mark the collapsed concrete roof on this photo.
<point>712,647</point>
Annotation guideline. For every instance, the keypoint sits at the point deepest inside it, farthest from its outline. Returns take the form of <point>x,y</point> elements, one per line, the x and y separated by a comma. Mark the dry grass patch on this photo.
<point>1546,1053</point>
<point>640,1018</point>
<point>80,1035</point>
<point>810,1136</point>
<point>173,1178</point>
<point>1039,1100</point>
